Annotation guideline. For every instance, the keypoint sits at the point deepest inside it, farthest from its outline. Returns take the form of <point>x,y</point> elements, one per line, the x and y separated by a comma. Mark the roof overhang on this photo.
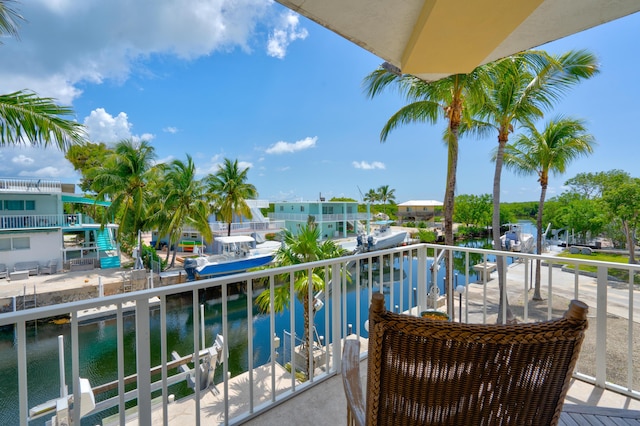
<point>79,199</point>
<point>433,39</point>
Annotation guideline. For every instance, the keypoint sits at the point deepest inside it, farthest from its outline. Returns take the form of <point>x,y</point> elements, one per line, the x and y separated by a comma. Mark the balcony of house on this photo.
<point>203,351</point>
<point>415,216</point>
<point>30,185</point>
<point>318,218</point>
<point>23,222</point>
<point>240,228</point>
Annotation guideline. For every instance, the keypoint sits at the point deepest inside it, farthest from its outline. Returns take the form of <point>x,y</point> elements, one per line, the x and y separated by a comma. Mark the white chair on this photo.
<point>51,267</point>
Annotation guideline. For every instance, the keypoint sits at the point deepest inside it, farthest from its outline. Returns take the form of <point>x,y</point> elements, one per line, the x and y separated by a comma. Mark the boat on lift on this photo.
<point>237,254</point>
<point>517,241</point>
<point>382,237</point>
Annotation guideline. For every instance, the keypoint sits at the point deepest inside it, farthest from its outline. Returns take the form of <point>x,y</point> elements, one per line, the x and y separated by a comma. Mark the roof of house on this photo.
<point>421,203</point>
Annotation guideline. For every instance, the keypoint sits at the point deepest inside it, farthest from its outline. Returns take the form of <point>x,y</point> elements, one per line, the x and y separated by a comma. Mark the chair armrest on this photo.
<point>351,382</point>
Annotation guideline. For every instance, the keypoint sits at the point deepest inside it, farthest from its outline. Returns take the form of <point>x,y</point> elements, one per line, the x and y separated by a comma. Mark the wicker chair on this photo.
<point>431,372</point>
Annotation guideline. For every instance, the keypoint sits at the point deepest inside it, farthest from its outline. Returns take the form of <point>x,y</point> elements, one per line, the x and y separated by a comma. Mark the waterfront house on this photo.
<point>334,218</point>
<point>419,210</point>
<point>36,232</point>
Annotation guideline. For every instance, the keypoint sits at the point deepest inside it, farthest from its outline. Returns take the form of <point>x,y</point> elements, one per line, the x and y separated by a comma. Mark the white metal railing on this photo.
<point>610,305</point>
<point>29,185</point>
<point>303,217</point>
<point>268,225</point>
<point>22,221</point>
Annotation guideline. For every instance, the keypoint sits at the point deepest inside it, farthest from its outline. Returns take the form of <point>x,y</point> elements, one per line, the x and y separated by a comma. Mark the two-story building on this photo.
<point>35,228</point>
<point>419,210</point>
<point>334,218</point>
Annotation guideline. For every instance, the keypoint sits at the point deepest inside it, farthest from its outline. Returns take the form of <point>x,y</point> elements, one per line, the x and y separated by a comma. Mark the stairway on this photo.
<point>108,253</point>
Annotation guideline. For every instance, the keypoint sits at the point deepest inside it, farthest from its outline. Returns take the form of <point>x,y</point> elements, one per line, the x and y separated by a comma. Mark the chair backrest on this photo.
<point>431,372</point>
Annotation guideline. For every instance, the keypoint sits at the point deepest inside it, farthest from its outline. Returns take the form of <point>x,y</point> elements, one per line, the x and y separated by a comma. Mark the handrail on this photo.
<point>479,297</point>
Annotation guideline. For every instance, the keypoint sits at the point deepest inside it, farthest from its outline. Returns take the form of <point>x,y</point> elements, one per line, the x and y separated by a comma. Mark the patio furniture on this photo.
<point>427,372</point>
<point>4,273</point>
<point>51,267</point>
<point>31,266</point>
<point>18,275</point>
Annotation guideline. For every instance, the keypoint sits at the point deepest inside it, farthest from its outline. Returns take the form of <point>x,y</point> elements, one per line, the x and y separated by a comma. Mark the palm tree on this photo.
<point>371,196</point>
<point>27,118</point>
<point>561,141</point>
<point>525,85</point>
<point>180,201</point>
<point>449,98</point>
<point>385,194</point>
<point>229,190</point>
<point>298,249</point>
<point>123,179</point>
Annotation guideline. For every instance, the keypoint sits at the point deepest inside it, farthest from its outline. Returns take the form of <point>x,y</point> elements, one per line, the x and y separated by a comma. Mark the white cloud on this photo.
<point>288,147</point>
<point>242,165</point>
<point>170,129</point>
<point>284,34</point>
<point>29,161</point>
<point>103,127</point>
<point>65,43</point>
<point>283,169</point>
<point>22,160</point>
<point>364,165</point>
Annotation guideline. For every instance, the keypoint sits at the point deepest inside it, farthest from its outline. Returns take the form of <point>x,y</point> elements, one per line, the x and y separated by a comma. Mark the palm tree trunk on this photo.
<point>448,214</point>
<point>497,244</point>
<point>305,337</point>
<point>229,229</point>
<point>536,291</point>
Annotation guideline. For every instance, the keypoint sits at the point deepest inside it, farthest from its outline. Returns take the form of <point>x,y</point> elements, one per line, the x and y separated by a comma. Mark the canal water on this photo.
<point>98,359</point>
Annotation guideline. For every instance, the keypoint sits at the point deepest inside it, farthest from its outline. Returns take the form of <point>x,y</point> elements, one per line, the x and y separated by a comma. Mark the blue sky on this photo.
<point>249,80</point>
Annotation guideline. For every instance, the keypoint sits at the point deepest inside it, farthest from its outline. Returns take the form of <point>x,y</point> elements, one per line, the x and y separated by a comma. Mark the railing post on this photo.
<point>601,327</point>
<point>421,301</point>
<point>143,361</point>
<point>336,317</point>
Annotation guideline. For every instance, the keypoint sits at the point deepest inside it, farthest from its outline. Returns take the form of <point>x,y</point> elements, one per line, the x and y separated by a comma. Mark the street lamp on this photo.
<point>459,290</point>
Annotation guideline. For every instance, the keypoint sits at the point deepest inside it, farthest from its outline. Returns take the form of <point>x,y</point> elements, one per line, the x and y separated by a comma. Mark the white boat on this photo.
<point>382,237</point>
<point>516,240</point>
<point>237,254</point>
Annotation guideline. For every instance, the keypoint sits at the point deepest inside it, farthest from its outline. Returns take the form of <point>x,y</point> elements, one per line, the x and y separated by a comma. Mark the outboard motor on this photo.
<point>359,240</point>
<point>190,268</point>
<point>370,242</point>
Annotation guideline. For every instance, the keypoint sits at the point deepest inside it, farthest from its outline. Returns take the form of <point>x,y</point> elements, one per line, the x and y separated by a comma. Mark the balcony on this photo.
<point>319,218</point>
<point>30,185</point>
<point>606,373</point>
<point>42,221</point>
<point>221,228</point>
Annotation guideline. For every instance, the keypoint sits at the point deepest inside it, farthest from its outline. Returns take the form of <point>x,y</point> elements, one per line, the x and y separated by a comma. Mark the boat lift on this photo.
<point>61,407</point>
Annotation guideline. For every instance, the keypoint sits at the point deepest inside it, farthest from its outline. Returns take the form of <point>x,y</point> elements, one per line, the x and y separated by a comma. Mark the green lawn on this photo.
<point>620,274</point>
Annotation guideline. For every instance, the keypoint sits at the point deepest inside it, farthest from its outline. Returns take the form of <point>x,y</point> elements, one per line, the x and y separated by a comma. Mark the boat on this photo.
<point>236,254</point>
<point>517,241</point>
<point>382,237</point>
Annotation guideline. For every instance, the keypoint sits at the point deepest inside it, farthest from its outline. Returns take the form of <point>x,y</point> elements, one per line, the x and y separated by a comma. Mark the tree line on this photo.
<point>167,197</point>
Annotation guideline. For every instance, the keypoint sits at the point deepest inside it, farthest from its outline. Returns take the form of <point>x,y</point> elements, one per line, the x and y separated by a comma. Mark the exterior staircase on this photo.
<point>109,257</point>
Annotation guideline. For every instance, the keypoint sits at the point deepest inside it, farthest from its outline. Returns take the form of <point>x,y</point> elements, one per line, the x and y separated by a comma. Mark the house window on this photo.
<point>15,243</point>
<point>21,243</point>
<point>327,209</point>
<point>14,204</point>
<point>301,208</point>
<point>30,205</point>
<point>281,208</point>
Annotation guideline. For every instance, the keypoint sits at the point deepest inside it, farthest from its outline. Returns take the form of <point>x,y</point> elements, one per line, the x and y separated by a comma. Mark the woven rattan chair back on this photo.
<point>430,372</point>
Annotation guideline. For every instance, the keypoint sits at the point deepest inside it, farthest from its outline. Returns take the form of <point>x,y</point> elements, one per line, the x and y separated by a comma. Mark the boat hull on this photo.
<point>216,269</point>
